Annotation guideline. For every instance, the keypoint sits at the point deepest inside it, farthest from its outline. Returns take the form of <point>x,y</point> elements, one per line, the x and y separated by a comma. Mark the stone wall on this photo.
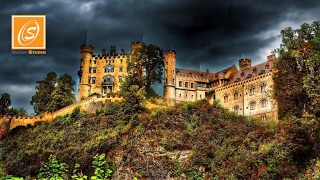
<point>83,104</point>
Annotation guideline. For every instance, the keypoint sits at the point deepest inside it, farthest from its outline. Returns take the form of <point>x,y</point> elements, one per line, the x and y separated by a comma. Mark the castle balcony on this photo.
<point>107,83</point>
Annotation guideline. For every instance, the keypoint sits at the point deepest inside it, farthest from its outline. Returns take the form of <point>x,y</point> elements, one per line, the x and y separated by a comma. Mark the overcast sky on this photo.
<point>205,34</point>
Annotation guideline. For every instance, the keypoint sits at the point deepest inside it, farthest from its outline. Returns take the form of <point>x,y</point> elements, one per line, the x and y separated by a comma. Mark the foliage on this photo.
<point>101,168</point>
<point>53,169</point>
<point>134,100</point>
<point>145,67</point>
<point>17,112</point>
<point>5,102</point>
<point>224,145</point>
<point>45,88</point>
<point>53,94</point>
<point>298,67</point>
<point>77,173</point>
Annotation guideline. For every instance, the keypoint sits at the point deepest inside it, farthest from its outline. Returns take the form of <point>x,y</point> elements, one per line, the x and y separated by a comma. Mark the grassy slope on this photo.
<point>223,144</point>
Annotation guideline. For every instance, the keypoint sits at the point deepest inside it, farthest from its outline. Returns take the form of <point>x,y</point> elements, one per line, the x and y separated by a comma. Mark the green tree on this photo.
<point>296,80</point>
<point>63,95</point>
<point>145,66</point>
<point>53,94</point>
<point>17,112</point>
<point>41,100</point>
<point>134,100</point>
<point>5,102</point>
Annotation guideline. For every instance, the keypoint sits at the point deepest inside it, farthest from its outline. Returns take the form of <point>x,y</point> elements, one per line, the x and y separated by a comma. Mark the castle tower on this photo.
<point>84,74</point>
<point>244,64</point>
<point>169,94</point>
<point>136,45</point>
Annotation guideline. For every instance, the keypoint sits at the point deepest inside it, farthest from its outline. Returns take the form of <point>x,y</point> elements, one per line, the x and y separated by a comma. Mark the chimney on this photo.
<point>122,51</point>
<point>113,50</point>
<point>103,52</point>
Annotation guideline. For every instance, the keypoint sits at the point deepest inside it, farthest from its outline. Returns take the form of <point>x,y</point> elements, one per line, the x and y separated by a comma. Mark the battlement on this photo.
<point>271,57</point>
<point>169,52</point>
<point>136,45</point>
<point>244,64</point>
<point>89,49</point>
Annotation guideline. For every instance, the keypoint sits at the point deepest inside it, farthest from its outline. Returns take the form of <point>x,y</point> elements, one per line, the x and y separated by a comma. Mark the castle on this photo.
<point>246,91</point>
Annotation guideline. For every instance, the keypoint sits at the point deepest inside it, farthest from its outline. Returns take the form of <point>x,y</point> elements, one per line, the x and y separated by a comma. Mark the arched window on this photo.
<point>235,95</point>
<point>108,69</point>
<point>263,87</point>
<point>251,90</point>
<point>236,109</point>
<point>252,105</point>
<point>108,78</point>
<point>264,103</point>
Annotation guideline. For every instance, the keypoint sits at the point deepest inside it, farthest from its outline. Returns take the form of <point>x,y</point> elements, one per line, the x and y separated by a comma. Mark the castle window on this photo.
<point>186,84</point>
<point>89,80</point>
<point>242,73</point>
<point>225,98</point>
<point>263,87</point>
<point>180,83</point>
<point>93,80</point>
<point>94,61</point>
<point>89,69</point>
<point>191,96</point>
<point>120,78</point>
<point>251,90</point>
<point>252,105</point>
<point>94,70</point>
<point>108,79</point>
<point>263,117</point>
<point>236,109</point>
<point>235,95</point>
<point>264,103</point>
<point>200,96</point>
<point>121,60</point>
<point>267,66</point>
<point>186,95</point>
<point>108,69</point>
<point>180,95</point>
<point>254,70</point>
<point>191,85</point>
<point>120,69</point>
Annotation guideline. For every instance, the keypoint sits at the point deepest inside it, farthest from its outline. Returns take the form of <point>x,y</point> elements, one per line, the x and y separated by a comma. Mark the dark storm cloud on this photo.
<point>205,34</point>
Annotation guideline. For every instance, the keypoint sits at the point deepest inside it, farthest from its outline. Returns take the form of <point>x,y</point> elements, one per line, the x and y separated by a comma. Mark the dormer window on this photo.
<point>267,66</point>
<point>254,70</point>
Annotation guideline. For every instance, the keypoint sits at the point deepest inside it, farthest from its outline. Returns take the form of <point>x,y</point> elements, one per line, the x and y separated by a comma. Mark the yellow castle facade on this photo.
<point>102,74</point>
<point>246,91</point>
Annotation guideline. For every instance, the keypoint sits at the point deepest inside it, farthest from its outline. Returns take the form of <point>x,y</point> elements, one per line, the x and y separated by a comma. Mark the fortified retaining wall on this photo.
<point>83,104</point>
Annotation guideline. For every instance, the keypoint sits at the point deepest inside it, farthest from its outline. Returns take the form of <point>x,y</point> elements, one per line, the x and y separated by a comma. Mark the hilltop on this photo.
<point>190,140</point>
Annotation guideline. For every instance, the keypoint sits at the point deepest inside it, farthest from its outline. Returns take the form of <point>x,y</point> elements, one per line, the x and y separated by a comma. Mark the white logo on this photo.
<point>30,26</point>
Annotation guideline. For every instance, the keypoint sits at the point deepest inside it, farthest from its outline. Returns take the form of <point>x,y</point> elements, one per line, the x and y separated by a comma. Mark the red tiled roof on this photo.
<point>253,71</point>
<point>208,75</point>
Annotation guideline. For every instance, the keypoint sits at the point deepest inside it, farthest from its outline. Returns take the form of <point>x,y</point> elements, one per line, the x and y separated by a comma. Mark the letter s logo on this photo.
<point>28,29</point>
